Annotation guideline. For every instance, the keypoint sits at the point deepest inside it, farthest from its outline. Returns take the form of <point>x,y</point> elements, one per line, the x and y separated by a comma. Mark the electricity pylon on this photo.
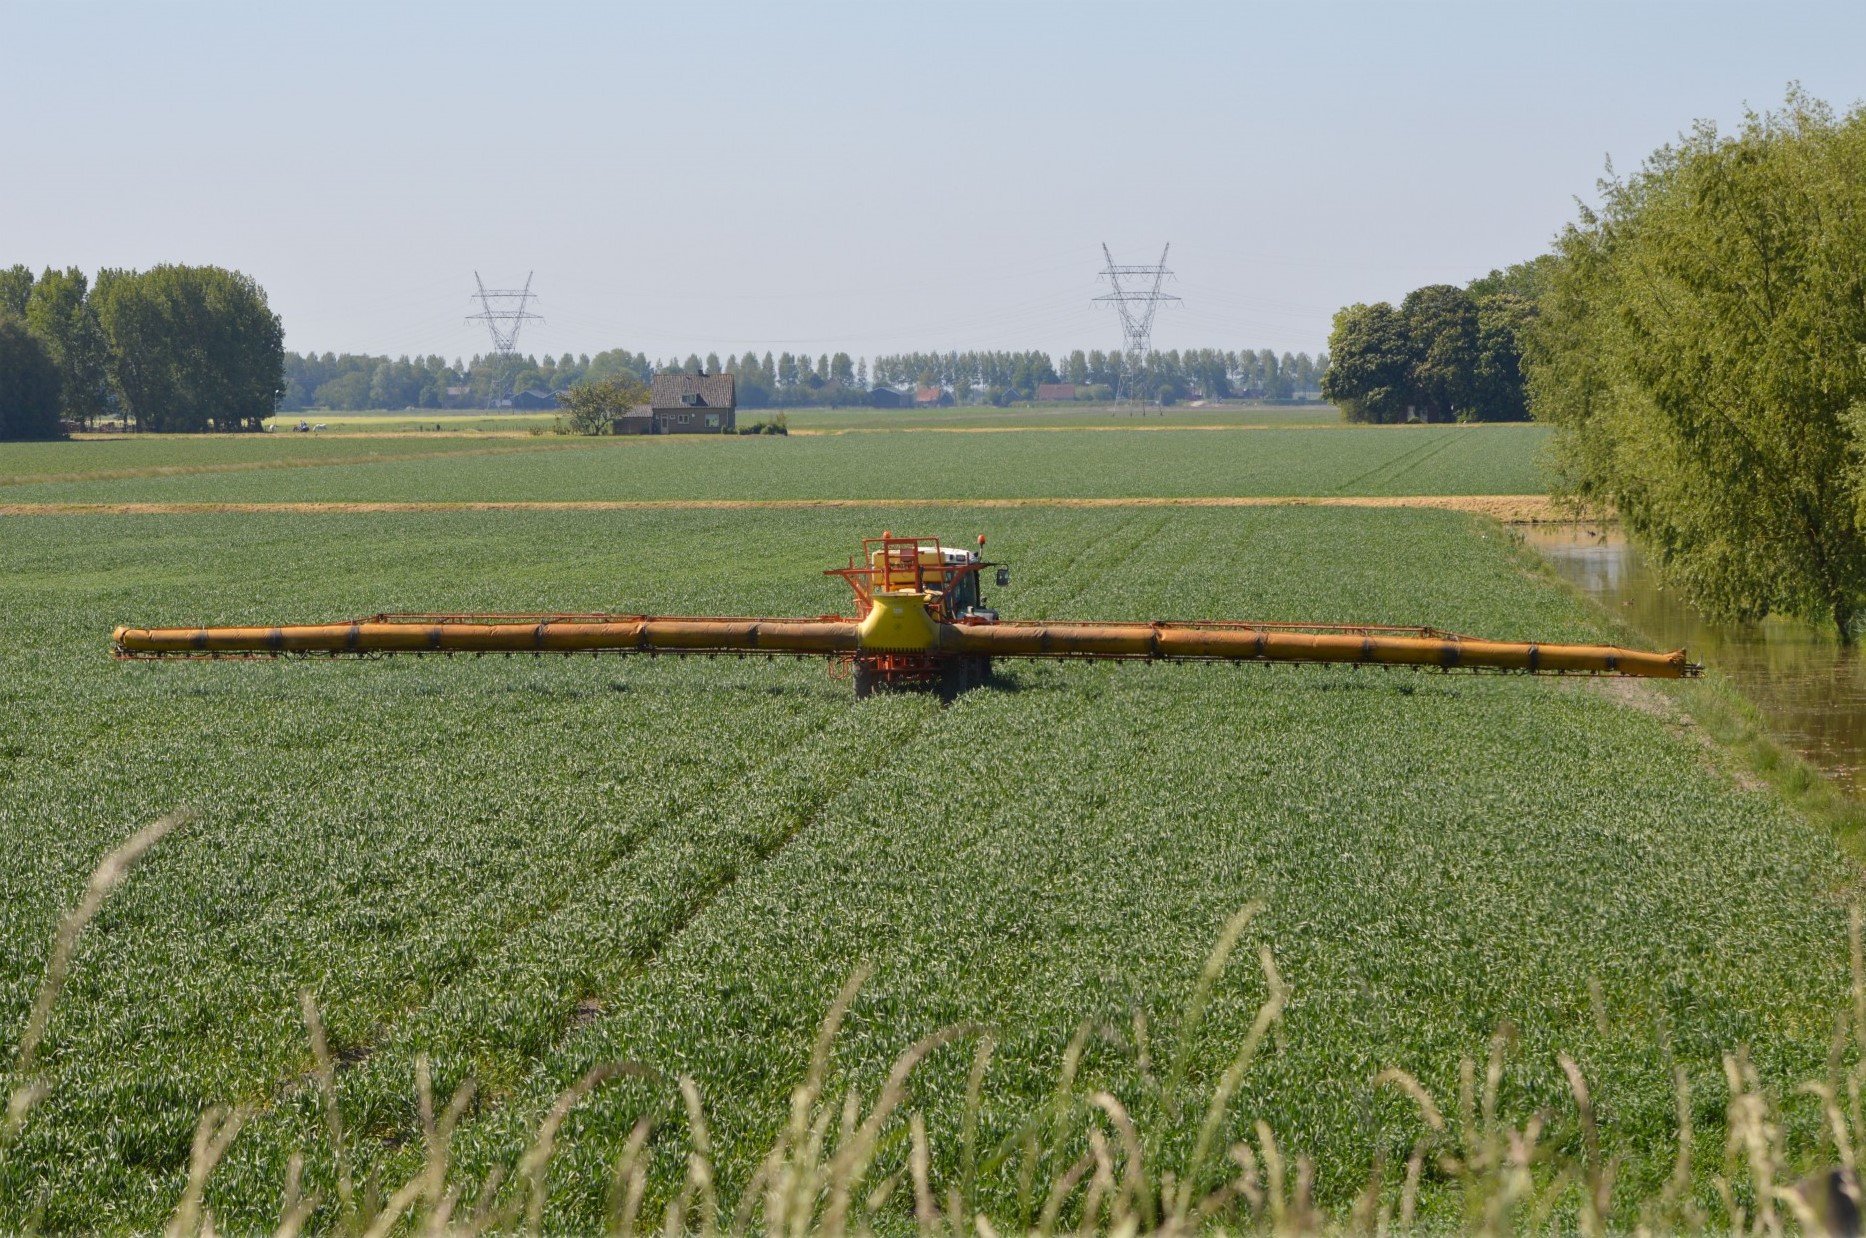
<point>1135,293</point>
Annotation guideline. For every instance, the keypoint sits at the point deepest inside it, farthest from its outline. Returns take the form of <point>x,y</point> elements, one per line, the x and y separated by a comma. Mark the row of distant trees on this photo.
<point>1167,376</point>
<point>354,381</point>
<point>347,382</point>
<point>171,348</point>
<point>350,381</point>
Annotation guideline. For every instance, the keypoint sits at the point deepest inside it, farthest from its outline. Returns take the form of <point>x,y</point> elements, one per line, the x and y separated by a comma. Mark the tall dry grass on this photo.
<point>826,1173</point>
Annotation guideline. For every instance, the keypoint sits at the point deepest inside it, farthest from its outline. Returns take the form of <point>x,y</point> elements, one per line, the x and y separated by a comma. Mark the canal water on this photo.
<point>1810,690</point>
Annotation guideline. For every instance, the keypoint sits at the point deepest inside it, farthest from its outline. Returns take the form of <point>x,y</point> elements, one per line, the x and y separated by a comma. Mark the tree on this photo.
<point>1528,280</point>
<point>192,348</point>
<point>616,361</point>
<point>1272,380</point>
<point>15,289</point>
<point>28,383</point>
<point>594,407</point>
<point>1497,390</point>
<point>347,392</point>
<point>1370,374</point>
<point>1441,333</point>
<point>60,313</point>
<point>1699,352</point>
<point>1444,355</point>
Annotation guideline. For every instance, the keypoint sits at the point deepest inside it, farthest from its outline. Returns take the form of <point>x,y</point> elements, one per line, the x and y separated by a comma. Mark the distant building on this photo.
<point>932,397</point>
<point>680,403</point>
<point>1056,391</point>
<point>536,398</point>
<point>890,397</point>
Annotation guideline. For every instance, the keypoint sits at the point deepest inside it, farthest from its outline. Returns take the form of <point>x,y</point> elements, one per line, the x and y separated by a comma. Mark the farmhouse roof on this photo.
<point>1056,391</point>
<point>680,390</point>
<point>928,395</point>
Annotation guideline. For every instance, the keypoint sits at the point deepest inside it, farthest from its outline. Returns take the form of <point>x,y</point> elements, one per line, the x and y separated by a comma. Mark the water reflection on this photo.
<point>1812,692</point>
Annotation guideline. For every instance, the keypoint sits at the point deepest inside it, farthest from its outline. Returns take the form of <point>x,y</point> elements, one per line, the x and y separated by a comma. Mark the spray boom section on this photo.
<point>921,621</point>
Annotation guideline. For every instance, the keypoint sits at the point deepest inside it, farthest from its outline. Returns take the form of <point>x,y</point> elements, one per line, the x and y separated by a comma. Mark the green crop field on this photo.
<point>139,457</point>
<point>519,867</point>
<point>1453,460</point>
<point>1050,416</point>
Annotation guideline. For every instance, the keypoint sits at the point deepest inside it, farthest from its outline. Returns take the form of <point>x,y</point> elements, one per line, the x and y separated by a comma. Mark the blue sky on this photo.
<point>862,176</point>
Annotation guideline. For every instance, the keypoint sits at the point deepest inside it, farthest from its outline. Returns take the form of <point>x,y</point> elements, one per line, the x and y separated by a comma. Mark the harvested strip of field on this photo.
<point>1507,508</point>
<point>519,867</point>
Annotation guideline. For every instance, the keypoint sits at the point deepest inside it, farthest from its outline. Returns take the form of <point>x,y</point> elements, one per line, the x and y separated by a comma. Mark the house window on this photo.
<point>712,421</point>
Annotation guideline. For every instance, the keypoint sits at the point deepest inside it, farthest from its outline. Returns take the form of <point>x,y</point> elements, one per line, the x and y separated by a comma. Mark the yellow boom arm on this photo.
<point>893,628</point>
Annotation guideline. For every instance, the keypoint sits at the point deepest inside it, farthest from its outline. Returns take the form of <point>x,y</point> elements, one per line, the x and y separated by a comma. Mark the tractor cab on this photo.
<point>945,576</point>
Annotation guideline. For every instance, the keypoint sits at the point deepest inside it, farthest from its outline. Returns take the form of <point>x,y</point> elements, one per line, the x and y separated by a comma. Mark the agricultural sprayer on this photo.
<point>920,622</point>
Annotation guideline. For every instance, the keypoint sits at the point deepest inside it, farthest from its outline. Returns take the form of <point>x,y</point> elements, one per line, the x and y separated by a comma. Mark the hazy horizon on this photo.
<point>872,178</point>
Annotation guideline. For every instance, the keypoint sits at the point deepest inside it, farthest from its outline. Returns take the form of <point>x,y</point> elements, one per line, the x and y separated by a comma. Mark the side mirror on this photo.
<point>1004,577</point>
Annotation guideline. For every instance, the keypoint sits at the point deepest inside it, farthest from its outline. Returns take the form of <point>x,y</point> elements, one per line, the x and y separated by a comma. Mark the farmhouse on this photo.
<point>681,403</point>
<point>932,397</point>
<point>1056,391</point>
<point>890,397</point>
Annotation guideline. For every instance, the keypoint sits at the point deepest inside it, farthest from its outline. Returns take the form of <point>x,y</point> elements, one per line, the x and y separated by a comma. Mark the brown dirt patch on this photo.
<point>1508,508</point>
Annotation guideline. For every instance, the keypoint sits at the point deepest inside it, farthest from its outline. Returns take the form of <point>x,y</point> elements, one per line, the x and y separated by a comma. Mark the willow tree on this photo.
<point>1700,348</point>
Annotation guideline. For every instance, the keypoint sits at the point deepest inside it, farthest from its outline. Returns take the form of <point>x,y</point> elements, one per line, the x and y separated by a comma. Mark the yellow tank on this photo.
<point>899,622</point>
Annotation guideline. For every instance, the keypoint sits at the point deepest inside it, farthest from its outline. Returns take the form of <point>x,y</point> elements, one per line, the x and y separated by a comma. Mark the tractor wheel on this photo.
<point>954,677</point>
<point>864,681</point>
<point>962,674</point>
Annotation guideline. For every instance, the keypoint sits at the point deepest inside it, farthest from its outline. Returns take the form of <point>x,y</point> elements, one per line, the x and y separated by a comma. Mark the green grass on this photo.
<point>1122,463</point>
<point>452,855</point>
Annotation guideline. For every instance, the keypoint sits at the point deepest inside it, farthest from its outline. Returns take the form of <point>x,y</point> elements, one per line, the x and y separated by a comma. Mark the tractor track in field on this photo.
<point>1507,508</point>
